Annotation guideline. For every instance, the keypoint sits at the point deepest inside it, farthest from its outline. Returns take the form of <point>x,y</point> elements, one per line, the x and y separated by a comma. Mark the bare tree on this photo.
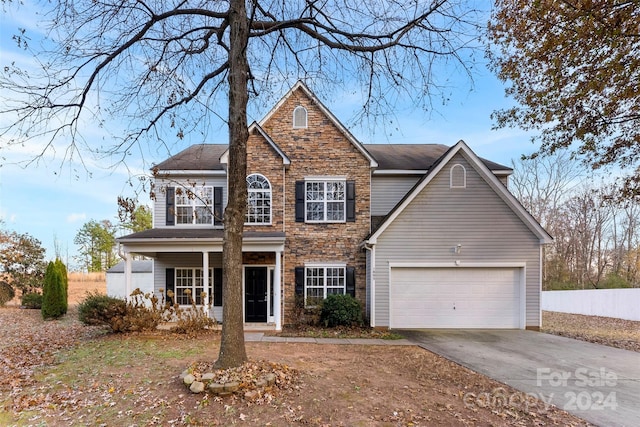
<point>165,68</point>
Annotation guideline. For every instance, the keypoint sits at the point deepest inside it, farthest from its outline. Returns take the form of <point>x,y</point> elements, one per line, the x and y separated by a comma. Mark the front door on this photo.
<point>255,294</point>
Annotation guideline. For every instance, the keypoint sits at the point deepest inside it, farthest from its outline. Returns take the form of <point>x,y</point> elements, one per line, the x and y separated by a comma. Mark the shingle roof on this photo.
<point>418,157</point>
<point>196,157</point>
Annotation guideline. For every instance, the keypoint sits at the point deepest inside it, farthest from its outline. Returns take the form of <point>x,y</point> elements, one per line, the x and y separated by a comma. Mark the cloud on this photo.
<point>75,217</point>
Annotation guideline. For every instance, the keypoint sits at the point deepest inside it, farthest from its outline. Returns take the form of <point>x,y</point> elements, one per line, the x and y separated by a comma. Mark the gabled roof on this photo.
<point>301,86</point>
<point>485,173</point>
<point>255,127</point>
<point>418,158</point>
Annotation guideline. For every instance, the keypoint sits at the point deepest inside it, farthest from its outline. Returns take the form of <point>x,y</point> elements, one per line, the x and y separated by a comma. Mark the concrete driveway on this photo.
<point>597,383</point>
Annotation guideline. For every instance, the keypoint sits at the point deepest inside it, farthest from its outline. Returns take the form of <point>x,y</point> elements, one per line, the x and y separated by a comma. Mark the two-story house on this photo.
<point>424,235</point>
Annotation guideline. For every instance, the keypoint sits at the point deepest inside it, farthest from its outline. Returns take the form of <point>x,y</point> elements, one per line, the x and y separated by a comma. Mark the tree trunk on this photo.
<point>232,348</point>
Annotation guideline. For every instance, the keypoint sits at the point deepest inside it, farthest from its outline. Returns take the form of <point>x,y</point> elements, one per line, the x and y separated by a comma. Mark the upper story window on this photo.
<point>194,206</point>
<point>299,117</point>
<point>458,176</point>
<point>201,205</point>
<point>258,200</point>
<point>325,201</point>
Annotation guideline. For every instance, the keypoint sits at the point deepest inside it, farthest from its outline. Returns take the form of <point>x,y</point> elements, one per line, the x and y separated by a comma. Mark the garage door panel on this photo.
<point>455,297</point>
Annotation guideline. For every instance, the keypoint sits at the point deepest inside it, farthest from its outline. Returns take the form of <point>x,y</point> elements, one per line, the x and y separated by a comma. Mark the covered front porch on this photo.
<point>182,256</point>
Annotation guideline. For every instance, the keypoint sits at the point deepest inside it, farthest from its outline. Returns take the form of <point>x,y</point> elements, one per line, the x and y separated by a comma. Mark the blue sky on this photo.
<point>51,199</point>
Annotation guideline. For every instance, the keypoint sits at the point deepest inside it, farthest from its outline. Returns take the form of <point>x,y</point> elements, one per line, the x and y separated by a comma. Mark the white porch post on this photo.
<point>277,304</point>
<point>205,279</point>
<point>128,276</point>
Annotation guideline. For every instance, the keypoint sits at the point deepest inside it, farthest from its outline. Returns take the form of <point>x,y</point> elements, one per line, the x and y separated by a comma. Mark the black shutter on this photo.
<point>171,206</point>
<point>217,287</point>
<point>351,201</point>
<point>169,284</point>
<point>217,206</point>
<point>300,281</point>
<point>299,201</point>
<point>351,281</point>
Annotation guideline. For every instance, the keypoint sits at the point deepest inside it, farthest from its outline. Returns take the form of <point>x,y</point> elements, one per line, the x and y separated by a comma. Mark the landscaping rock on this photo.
<point>231,387</point>
<point>208,376</point>
<point>197,387</point>
<point>216,388</point>
<point>189,379</point>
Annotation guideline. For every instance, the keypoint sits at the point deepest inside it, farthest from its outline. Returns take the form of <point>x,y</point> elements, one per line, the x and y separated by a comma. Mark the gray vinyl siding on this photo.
<point>440,218</point>
<point>160,209</point>
<point>183,260</point>
<point>387,191</point>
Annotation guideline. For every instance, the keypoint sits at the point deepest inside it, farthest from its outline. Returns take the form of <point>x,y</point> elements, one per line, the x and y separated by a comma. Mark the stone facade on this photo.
<point>319,150</point>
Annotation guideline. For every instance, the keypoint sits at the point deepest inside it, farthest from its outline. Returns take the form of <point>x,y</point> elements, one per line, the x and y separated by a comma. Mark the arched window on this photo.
<point>258,200</point>
<point>299,117</point>
<point>458,176</point>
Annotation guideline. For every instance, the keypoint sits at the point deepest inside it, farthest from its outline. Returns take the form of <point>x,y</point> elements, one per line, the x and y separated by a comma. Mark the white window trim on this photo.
<point>192,278</point>
<point>270,201</point>
<point>464,176</point>
<point>306,118</point>
<point>325,180</point>
<point>324,286</point>
<point>194,203</point>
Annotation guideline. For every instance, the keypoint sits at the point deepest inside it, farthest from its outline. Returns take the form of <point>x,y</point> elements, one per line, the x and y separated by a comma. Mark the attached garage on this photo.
<point>456,297</point>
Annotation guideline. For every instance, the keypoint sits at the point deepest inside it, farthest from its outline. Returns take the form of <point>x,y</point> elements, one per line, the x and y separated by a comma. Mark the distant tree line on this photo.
<point>596,231</point>
<point>96,240</point>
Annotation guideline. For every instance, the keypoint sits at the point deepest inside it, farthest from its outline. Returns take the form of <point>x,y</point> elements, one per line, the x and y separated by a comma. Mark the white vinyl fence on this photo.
<point>618,303</point>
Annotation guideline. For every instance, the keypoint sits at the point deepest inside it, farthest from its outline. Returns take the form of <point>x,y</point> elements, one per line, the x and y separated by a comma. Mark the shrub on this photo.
<point>100,309</point>
<point>122,316</point>
<point>31,300</point>
<point>341,310</point>
<point>6,293</point>
<point>53,293</point>
<point>65,282</point>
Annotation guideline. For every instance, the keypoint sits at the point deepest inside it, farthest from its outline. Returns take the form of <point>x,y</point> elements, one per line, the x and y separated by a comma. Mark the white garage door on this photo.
<point>455,297</point>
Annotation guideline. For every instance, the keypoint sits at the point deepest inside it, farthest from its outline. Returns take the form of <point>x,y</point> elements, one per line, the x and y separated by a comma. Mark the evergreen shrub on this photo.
<point>341,310</point>
<point>31,300</point>
<point>53,293</point>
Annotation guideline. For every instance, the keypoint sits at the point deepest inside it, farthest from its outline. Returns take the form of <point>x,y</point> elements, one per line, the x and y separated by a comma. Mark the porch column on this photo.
<point>205,280</point>
<point>128,276</point>
<point>277,304</point>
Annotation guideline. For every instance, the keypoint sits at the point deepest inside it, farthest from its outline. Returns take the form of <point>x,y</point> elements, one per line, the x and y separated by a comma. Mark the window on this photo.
<point>258,200</point>
<point>299,117</point>
<point>189,285</point>
<point>325,201</point>
<point>458,176</point>
<point>194,205</point>
<point>322,281</point>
